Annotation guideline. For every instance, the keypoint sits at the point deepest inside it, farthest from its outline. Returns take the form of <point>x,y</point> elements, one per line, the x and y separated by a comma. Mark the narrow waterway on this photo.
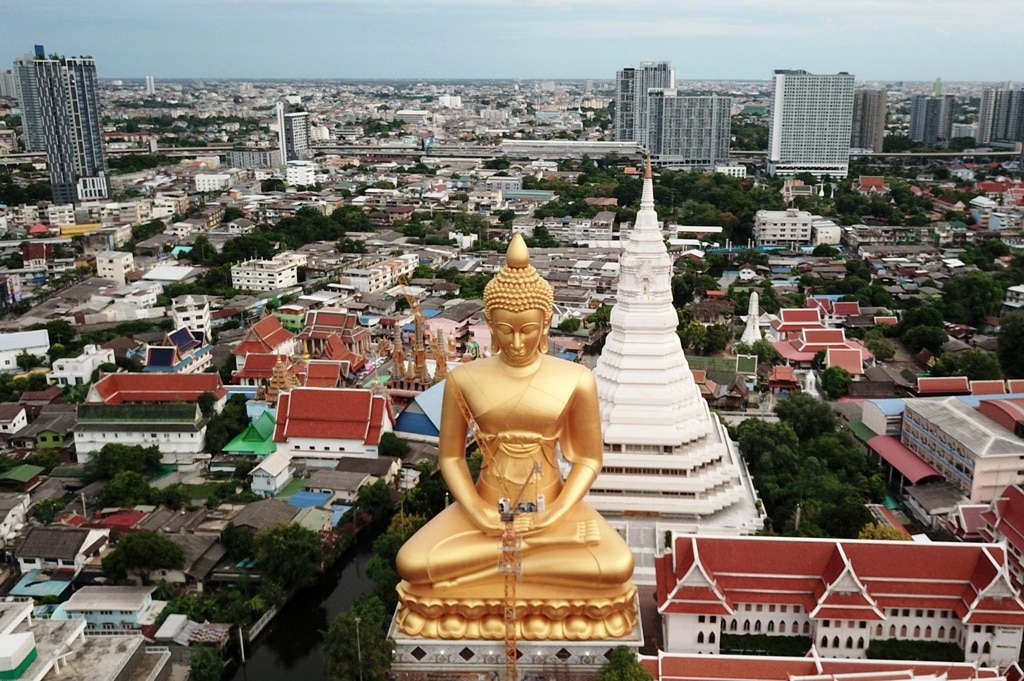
<point>290,647</point>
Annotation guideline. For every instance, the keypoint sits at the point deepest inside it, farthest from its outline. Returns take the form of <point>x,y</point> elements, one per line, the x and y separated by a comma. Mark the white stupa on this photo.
<point>667,458</point>
<point>752,332</point>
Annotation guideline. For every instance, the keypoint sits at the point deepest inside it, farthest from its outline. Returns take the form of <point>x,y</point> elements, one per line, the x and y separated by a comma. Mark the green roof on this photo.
<point>746,364</point>
<point>22,473</point>
<point>862,432</point>
<point>148,413</point>
<point>257,438</point>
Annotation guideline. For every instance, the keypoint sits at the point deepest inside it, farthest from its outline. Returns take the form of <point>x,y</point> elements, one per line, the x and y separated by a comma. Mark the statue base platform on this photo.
<point>479,613</point>
<point>419,658</point>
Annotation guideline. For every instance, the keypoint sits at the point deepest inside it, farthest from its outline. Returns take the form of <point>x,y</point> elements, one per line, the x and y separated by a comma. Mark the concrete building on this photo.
<point>27,94</point>
<point>811,118</point>
<point>213,182</point>
<point>16,342</point>
<point>688,132</point>
<point>65,110</point>
<point>790,227</point>
<point>254,158</point>
<point>112,608</point>
<point>71,371</point>
<point>114,265</point>
<point>631,88</point>
<point>931,119</point>
<point>656,425</point>
<point>264,275</point>
<point>869,116</point>
<point>1001,116</point>
<point>300,173</point>
<point>293,133</point>
<point>978,450</point>
<point>380,275</point>
<point>193,313</point>
<point>178,430</point>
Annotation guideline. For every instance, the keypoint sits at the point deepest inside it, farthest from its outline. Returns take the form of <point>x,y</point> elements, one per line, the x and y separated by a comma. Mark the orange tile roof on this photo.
<point>164,387</point>
<point>330,413</point>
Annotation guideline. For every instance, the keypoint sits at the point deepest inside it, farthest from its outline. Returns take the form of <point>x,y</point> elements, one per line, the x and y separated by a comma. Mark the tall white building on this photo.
<point>631,88</point>
<point>811,121</point>
<point>150,85</point>
<point>668,462</point>
<point>293,133</point>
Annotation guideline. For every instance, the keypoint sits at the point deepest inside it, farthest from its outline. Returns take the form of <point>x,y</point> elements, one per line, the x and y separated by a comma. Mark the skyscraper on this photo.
<point>868,128</point>
<point>810,125</point>
<point>293,131</point>
<point>1001,116</point>
<point>631,87</point>
<point>150,85</point>
<point>690,132</point>
<point>931,119</point>
<point>60,101</point>
<point>28,100</point>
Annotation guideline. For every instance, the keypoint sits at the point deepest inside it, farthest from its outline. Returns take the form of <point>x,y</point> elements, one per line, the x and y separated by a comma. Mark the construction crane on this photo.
<point>510,556</point>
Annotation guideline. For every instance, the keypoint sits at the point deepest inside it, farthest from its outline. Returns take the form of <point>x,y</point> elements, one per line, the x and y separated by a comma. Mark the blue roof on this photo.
<point>337,512</point>
<point>565,354</point>
<point>160,357</point>
<point>39,585</point>
<point>416,424</point>
<point>307,499</point>
<point>890,407</point>
<point>975,400</point>
<point>183,339</point>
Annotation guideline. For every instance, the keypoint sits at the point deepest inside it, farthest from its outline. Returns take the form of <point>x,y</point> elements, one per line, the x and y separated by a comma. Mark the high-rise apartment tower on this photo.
<point>868,128</point>
<point>60,101</point>
<point>810,123</point>
<point>631,88</point>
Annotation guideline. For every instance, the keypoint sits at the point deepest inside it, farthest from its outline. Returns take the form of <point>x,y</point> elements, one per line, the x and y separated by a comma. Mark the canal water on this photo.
<point>290,647</point>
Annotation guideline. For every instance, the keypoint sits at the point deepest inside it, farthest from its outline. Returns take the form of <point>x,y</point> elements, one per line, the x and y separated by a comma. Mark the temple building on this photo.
<point>668,462</point>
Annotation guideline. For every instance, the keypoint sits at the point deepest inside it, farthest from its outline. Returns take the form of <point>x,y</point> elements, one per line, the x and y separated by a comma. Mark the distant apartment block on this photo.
<point>869,116</point>
<point>1001,116</point>
<point>631,88</point>
<point>301,173</point>
<point>381,275</point>
<point>264,275</point>
<point>254,158</point>
<point>687,132</point>
<point>792,227</point>
<point>931,119</point>
<point>811,118</point>
<point>293,133</point>
<point>213,182</point>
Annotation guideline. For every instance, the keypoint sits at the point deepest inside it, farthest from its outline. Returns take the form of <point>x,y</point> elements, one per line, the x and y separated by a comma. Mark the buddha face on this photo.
<point>518,335</point>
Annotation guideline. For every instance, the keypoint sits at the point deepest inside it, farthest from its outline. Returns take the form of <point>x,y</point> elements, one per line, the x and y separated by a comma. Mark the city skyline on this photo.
<point>907,40</point>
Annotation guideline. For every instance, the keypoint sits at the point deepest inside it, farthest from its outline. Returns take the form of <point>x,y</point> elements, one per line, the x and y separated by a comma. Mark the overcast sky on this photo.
<point>704,39</point>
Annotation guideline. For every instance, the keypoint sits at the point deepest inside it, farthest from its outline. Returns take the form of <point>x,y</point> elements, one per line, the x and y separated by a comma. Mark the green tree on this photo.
<point>356,644</point>
<point>976,365</point>
<point>717,340</point>
<point>622,665</point>
<point>393,446</point>
<point>206,664</point>
<point>289,554</point>
<point>569,325</point>
<point>47,509</point>
<point>1009,343</point>
<point>374,500</point>
<point>835,381</point>
<point>925,337</point>
<point>115,458</point>
<point>140,553</point>
<point>882,348</point>
<point>879,531</point>
<point>127,488</point>
<point>807,416</point>
<point>970,298</point>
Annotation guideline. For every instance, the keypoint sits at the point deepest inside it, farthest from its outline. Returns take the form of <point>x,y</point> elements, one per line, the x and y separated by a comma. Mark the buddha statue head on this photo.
<point>518,294</point>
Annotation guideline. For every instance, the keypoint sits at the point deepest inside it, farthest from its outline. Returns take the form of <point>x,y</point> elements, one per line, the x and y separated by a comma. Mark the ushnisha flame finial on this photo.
<point>517,286</point>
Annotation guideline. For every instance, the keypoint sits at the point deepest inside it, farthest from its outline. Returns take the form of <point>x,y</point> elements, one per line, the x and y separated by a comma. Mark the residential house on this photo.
<point>256,440</point>
<point>13,513</point>
<point>272,474</point>
<point>63,549</point>
<point>70,371</point>
<point>35,401</point>
<point>51,430</point>
<point>12,419</point>
<point>111,609</point>
<point>15,343</point>
<point>183,352</point>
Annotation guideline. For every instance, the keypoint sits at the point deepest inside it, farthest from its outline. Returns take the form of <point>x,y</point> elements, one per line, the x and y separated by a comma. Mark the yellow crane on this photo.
<point>510,556</point>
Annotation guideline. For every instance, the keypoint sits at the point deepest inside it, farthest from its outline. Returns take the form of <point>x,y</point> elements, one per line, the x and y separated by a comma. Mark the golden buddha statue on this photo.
<point>575,576</point>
